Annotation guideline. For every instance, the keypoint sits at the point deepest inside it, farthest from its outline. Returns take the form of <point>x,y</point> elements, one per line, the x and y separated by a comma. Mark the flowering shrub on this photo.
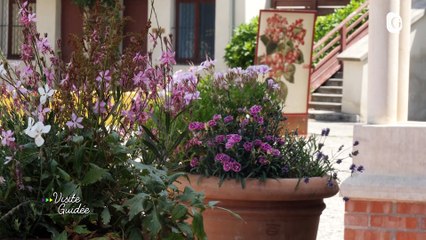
<point>228,91</point>
<point>250,146</point>
<point>77,128</point>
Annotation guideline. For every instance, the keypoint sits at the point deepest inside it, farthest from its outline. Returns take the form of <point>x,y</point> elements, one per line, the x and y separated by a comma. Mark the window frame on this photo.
<point>196,59</point>
<point>10,26</point>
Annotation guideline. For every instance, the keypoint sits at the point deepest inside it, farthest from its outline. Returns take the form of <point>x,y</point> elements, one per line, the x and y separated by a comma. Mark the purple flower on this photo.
<point>227,166</point>
<point>211,123</point>
<point>352,168</point>
<point>356,143</point>
<point>266,148</point>
<point>196,126</point>
<point>280,141</point>
<point>75,122</point>
<point>360,168</point>
<point>222,158</point>
<point>262,160</point>
<point>248,146</point>
<point>194,162</point>
<point>259,120</point>
<point>275,152</point>
<point>306,180</point>
<point>345,199</point>
<point>217,117</point>
<point>99,107</point>
<point>228,119</point>
<point>257,143</point>
<point>232,140</point>
<point>244,123</point>
<point>269,138</point>
<point>168,58</point>
<point>339,161</point>
<point>236,166</point>
<point>325,132</point>
<point>220,138</point>
<point>255,109</point>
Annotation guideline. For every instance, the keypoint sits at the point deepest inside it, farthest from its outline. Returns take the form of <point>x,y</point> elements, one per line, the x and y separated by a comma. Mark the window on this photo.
<point>195,30</point>
<point>10,28</point>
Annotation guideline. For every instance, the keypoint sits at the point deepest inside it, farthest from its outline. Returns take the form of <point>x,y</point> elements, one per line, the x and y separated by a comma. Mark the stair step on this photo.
<point>339,74</point>
<point>326,97</point>
<point>334,82</point>
<point>331,116</point>
<point>331,106</point>
<point>330,89</point>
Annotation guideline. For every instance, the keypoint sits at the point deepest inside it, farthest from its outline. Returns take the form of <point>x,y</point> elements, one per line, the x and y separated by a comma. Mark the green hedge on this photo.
<point>240,51</point>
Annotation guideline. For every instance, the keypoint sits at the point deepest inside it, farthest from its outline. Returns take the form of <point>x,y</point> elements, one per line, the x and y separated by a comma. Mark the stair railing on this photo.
<point>327,49</point>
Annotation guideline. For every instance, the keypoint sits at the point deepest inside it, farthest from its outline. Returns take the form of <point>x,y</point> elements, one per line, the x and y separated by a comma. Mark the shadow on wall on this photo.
<point>417,95</point>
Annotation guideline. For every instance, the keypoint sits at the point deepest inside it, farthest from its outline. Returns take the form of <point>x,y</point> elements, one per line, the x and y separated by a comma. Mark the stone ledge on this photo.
<point>379,187</point>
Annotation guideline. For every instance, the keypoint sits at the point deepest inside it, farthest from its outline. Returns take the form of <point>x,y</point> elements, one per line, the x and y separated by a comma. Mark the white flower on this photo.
<point>30,125</point>
<point>7,160</point>
<point>2,180</point>
<point>36,131</point>
<point>45,93</point>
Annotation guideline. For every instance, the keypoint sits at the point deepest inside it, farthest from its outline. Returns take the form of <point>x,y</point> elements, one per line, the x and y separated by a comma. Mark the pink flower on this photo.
<point>7,138</point>
<point>75,122</point>
<point>43,45</point>
<point>220,138</point>
<point>217,117</point>
<point>236,166</point>
<point>222,158</point>
<point>168,58</point>
<point>227,166</point>
<point>211,123</point>
<point>194,126</point>
<point>194,162</point>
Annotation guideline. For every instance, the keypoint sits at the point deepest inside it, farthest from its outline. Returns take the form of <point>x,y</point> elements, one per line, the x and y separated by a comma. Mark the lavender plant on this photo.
<point>84,128</point>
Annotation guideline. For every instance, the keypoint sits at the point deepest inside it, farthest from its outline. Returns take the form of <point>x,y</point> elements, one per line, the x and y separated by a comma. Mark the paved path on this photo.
<point>332,219</point>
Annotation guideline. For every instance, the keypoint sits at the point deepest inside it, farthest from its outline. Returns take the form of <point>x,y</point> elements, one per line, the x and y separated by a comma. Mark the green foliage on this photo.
<point>325,24</point>
<point>90,3</point>
<point>240,50</point>
<point>229,92</point>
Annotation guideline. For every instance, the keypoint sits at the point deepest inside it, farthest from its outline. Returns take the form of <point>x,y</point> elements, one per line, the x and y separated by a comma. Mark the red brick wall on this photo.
<point>383,220</point>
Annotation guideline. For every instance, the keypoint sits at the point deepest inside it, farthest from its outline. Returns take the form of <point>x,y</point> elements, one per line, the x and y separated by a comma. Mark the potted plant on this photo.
<point>72,163</point>
<point>237,156</point>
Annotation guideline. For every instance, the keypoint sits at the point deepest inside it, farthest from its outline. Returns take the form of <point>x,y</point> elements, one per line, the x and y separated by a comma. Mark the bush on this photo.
<point>241,49</point>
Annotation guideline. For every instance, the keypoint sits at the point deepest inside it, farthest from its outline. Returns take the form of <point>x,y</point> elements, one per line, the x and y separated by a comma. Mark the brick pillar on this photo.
<point>385,220</point>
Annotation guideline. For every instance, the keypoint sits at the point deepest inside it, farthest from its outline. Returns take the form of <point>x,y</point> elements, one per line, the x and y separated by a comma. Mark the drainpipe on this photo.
<point>232,17</point>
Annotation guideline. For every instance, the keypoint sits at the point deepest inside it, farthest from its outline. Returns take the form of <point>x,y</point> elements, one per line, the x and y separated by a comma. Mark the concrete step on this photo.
<point>330,89</point>
<point>339,74</point>
<point>330,106</point>
<point>334,82</point>
<point>326,97</point>
<point>331,116</point>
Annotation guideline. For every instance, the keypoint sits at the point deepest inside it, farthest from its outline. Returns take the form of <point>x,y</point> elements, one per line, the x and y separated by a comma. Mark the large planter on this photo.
<point>273,209</point>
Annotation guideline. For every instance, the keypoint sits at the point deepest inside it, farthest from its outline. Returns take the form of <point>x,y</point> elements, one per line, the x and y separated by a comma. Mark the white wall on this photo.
<point>48,14</point>
<point>229,14</point>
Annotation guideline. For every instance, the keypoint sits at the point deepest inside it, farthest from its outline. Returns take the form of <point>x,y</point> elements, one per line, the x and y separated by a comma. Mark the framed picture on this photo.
<point>284,43</point>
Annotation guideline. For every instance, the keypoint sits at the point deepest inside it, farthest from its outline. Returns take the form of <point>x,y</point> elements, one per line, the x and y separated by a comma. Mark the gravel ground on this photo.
<point>331,225</point>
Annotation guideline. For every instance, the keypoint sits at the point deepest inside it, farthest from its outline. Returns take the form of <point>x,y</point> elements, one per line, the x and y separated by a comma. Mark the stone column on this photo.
<point>383,64</point>
<point>404,61</point>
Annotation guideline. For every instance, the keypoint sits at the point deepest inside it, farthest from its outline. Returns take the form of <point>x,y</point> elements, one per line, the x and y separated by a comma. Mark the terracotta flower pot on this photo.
<point>273,209</point>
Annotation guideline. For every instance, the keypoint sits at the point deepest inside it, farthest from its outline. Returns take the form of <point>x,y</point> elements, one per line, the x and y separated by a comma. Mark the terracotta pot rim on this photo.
<point>282,189</point>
